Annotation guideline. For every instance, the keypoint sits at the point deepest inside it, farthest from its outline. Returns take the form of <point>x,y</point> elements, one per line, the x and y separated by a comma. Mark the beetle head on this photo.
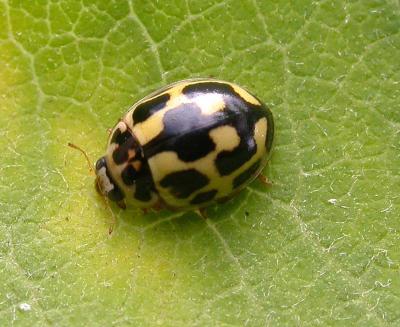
<point>104,183</point>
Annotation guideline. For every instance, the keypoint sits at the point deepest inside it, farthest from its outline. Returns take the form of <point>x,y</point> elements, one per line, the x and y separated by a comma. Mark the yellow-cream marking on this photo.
<point>129,190</point>
<point>165,163</point>
<point>245,95</point>
<point>260,131</point>
<point>225,138</point>
<point>224,184</point>
<point>150,128</point>
<point>168,162</point>
<point>210,103</point>
<point>137,165</point>
<point>116,171</point>
<point>128,118</point>
<point>176,97</point>
<point>131,153</point>
<point>171,89</point>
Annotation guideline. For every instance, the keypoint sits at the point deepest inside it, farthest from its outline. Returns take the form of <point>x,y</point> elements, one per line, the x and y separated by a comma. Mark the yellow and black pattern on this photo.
<point>191,143</point>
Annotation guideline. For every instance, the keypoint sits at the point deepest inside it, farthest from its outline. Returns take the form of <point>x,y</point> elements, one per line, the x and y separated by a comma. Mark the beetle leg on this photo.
<point>121,204</point>
<point>264,179</point>
<point>111,228</point>
<point>158,206</point>
<point>113,221</point>
<point>201,212</point>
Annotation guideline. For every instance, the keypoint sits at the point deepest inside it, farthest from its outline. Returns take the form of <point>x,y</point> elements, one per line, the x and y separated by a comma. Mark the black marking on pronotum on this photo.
<point>129,175</point>
<point>119,137</point>
<point>246,175</point>
<point>186,132</point>
<point>204,197</point>
<point>147,108</point>
<point>121,153</point>
<point>184,183</point>
<point>115,194</point>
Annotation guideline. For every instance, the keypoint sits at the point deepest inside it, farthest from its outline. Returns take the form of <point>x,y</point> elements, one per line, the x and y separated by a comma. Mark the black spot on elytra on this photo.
<point>246,175</point>
<point>142,193</point>
<point>242,115</point>
<point>270,130</point>
<point>228,161</point>
<point>183,183</point>
<point>204,197</point>
<point>186,129</point>
<point>186,132</point>
<point>193,90</point>
<point>144,183</point>
<point>149,107</point>
<point>129,175</point>
<point>244,118</point>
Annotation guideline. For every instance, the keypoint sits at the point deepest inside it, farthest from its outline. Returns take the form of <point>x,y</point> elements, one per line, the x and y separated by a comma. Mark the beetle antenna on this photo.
<point>84,153</point>
<point>113,218</point>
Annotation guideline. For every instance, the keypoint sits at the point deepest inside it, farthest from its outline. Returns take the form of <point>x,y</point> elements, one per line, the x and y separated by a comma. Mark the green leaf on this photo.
<point>319,247</point>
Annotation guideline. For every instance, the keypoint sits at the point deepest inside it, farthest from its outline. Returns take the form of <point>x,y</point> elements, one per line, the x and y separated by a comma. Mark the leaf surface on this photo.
<point>319,247</point>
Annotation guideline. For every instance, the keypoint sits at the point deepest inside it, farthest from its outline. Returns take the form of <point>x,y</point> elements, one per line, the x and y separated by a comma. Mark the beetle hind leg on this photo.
<point>264,179</point>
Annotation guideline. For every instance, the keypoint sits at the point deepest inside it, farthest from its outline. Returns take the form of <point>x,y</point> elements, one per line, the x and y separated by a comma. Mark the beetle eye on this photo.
<point>100,163</point>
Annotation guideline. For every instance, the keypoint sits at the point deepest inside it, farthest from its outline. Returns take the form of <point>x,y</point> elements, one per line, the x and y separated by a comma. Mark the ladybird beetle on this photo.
<point>186,145</point>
